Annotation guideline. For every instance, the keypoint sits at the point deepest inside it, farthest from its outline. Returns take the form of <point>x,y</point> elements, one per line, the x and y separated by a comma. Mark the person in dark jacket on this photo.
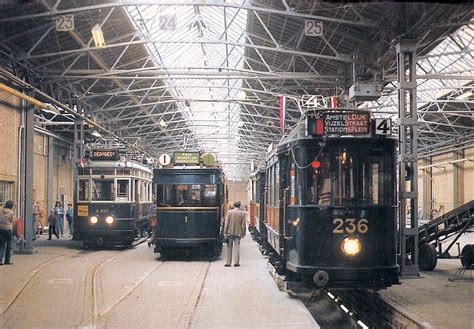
<point>52,221</point>
<point>7,221</point>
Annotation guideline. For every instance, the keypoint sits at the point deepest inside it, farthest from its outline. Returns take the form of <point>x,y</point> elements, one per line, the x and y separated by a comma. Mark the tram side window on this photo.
<point>276,191</point>
<point>102,190</point>
<point>123,187</point>
<point>210,194</point>
<point>83,192</point>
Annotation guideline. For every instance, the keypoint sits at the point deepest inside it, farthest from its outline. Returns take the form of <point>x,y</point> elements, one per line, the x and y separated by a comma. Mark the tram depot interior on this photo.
<point>263,92</point>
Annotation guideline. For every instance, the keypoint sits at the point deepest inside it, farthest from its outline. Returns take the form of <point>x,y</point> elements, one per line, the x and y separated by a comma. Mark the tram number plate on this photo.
<point>350,225</point>
<point>83,210</point>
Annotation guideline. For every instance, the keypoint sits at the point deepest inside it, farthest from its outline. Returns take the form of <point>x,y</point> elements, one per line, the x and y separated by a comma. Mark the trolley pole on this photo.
<point>407,158</point>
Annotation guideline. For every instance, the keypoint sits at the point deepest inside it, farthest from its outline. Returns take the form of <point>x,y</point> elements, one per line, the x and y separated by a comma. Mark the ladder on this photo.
<point>457,221</point>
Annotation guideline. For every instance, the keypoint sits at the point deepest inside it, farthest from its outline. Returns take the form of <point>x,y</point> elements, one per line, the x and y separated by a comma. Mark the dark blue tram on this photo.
<point>256,189</point>
<point>329,202</point>
<point>112,200</point>
<point>190,208</point>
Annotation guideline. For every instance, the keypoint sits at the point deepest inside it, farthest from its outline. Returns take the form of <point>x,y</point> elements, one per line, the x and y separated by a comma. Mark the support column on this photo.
<point>458,179</point>
<point>27,247</point>
<point>407,158</point>
<point>50,187</point>
<point>427,189</point>
<point>78,140</point>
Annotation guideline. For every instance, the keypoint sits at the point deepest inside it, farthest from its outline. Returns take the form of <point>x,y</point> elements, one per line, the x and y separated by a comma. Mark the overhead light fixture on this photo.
<point>241,95</point>
<point>163,123</point>
<point>98,36</point>
<point>51,109</point>
<point>96,133</point>
<point>240,124</point>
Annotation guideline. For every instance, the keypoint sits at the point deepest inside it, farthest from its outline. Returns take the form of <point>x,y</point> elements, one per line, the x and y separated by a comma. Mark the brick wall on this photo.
<point>9,125</point>
<point>10,121</point>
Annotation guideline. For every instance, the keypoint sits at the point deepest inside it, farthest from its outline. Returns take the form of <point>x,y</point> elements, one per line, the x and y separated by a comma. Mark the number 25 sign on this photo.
<point>313,28</point>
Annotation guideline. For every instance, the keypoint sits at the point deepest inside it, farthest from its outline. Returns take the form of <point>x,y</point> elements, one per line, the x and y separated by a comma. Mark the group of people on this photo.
<point>234,228</point>
<point>55,221</point>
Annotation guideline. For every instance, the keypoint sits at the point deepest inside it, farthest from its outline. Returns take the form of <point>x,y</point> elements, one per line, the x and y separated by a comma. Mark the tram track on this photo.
<point>33,274</point>
<point>362,308</point>
<point>179,298</point>
<point>189,323</point>
<point>103,315</point>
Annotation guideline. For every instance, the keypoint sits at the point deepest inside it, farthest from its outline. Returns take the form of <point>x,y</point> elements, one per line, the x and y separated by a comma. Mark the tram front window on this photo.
<point>102,190</point>
<point>123,189</point>
<point>343,176</point>
<point>186,195</point>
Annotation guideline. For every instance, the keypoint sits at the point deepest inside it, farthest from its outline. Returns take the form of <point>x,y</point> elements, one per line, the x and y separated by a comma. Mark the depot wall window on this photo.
<point>6,191</point>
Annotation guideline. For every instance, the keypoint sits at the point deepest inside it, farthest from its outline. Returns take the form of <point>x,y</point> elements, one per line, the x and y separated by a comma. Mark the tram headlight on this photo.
<point>109,219</point>
<point>351,246</point>
<point>94,219</point>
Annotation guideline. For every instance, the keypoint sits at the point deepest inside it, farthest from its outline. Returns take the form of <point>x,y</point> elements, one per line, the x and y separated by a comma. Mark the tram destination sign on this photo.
<point>104,155</point>
<point>348,123</point>
<point>188,158</point>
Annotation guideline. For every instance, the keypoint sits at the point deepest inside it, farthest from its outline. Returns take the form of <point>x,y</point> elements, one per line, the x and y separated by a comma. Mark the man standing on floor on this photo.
<point>7,221</point>
<point>234,230</point>
<point>70,219</point>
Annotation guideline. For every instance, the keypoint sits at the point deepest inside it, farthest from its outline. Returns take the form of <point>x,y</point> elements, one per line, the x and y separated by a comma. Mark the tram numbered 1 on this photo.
<point>190,208</point>
<point>112,198</point>
<point>328,203</point>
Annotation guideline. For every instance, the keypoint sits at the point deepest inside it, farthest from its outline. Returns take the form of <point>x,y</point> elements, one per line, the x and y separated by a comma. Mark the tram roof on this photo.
<point>211,80</point>
<point>117,164</point>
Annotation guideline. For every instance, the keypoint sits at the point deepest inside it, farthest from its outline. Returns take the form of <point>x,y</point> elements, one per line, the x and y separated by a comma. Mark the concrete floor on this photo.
<point>433,298</point>
<point>63,286</point>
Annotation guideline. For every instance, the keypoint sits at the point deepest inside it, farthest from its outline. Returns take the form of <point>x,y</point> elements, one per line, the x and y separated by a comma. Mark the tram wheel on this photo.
<point>467,256</point>
<point>427,257</point>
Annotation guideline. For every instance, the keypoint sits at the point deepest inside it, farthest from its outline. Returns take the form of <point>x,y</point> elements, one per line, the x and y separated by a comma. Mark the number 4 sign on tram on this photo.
<point>383,126</point>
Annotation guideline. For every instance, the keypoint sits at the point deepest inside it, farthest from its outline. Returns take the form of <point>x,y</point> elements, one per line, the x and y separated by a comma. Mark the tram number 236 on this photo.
<point>350,225</point>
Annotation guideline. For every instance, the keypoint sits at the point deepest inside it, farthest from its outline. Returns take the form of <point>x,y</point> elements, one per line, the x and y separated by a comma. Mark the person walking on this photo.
<point>7,222</point>
<point>70,218</point>
<point>36,219</point>
<point>59,212</point>
<point>52,220</point>
<point>234,230</point>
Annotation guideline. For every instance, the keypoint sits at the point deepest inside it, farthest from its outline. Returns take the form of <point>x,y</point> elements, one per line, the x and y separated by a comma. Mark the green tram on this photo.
<point>190,208</point>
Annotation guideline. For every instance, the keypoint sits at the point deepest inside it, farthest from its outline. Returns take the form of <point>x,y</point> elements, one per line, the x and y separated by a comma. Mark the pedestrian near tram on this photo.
<point>234,230</point>
<point>59,212</point>
<point>52,220</point>
<point>7,221</point>
<point>70,219</point>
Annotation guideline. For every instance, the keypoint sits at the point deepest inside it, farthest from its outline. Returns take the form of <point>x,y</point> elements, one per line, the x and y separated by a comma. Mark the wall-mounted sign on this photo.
<point>313,28</point>
<point>104,155</point>
<point>348,123</point>
<point>167,22</point>
<point>64,23</point>
<point>164,159</point>
<point>186,158</point>
<point>383,126</point>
